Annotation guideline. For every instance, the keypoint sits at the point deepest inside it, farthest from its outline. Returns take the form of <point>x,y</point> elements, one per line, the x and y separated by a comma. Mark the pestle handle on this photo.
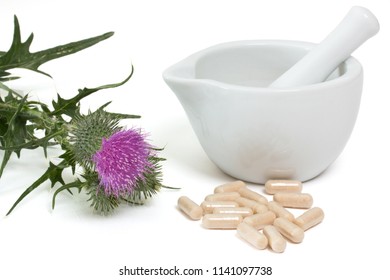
<point>357,26</point>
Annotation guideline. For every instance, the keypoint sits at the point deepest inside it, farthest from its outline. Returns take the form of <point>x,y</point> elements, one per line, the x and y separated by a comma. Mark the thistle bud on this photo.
<point>87,132</point>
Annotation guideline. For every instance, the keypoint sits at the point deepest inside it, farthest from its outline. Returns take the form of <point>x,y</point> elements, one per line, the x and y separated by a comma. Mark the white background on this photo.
<point>71,242</point>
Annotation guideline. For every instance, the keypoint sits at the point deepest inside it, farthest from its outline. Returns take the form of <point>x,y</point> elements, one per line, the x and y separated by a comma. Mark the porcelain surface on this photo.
<point>255,133</point>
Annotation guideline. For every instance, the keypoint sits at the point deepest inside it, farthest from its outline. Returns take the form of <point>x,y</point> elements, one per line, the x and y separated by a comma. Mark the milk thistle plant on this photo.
<point>114,165</point>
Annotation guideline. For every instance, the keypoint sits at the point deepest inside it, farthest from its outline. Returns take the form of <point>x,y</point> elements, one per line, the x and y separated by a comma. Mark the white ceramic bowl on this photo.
<point>255,133</point>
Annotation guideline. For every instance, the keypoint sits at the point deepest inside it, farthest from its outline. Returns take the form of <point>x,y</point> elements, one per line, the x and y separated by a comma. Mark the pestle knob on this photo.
<point>357,26</point>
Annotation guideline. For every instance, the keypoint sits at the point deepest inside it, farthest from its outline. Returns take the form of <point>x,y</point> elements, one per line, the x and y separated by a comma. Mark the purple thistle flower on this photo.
<point>121,161</point>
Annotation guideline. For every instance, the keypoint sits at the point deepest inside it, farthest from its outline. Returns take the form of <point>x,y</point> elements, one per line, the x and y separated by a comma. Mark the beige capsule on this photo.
<point>252,236</point>
<point>221,221</point>
<point>310,218</point>
<point>275,240</point>
<point>280,211</point>
<point>229,196</point>
<point>259,221</point>
<point>209,206</point>
<point>260,208</point>
<point>289,230</point>
<point>230,187</point>
<point>256,206</point>
<point>252,195</point>
<point>275,186</point>
<point>294,200</point>
<point>243,211</point>
<point>190,208</point>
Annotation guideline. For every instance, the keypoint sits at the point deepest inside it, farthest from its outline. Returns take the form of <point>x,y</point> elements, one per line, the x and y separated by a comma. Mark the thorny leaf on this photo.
<point>76,184</point>
<point>70,106</point>
<point>53,173</point>
<point>19,55</point>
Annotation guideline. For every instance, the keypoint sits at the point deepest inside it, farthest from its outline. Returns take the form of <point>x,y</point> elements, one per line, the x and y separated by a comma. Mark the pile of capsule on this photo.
<point>260,222</point>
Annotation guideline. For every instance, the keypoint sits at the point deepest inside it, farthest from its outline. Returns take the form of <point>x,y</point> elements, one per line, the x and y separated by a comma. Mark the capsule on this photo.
<point>225,196</point>
<point>289,230</point>
<point>221,221</point>
<point>280,211</point>
<point>275,240</point>
<point>310,218</point>
<point>259,221</point>
<point>249,194</point>
<point>275,186</point>
<point>190,208</point>
<point>243,211</point>
<point>209,206</point>
<point>252,236</point>
<point>256,206</point>
<point>294,200</point>
<point>230,187</point>
<point>259,208</point>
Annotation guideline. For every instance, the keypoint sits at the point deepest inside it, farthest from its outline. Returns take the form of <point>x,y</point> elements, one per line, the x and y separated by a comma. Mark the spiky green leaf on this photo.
<point>19,55</point>
<point>70,106</point>
<point>53,173</point>
<point>76,184</point>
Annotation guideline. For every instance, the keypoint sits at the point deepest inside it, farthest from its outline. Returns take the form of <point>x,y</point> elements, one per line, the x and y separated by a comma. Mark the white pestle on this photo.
<point>357,26</point>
